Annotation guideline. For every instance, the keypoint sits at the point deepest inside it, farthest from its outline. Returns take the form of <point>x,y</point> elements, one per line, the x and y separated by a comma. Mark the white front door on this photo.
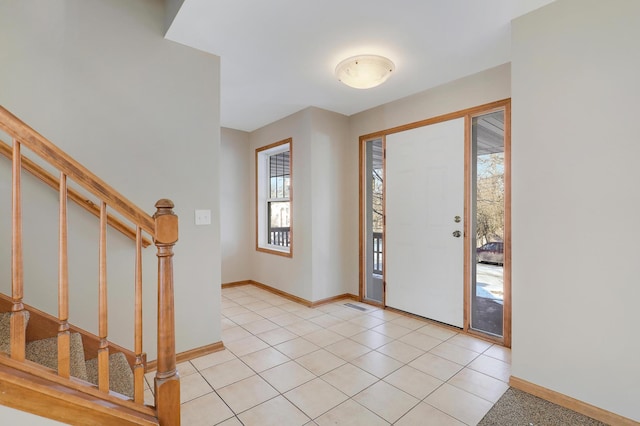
<point>424,179</point>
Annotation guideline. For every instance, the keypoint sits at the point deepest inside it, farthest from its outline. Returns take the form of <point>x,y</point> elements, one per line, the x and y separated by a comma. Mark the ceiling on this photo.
<point>278,56</point>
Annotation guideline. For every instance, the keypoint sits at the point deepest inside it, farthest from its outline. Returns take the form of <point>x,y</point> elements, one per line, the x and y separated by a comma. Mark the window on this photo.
<point>274,198</point>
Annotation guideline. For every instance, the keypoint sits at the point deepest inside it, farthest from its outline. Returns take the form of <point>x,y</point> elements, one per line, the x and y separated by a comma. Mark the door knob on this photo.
<point>457,234</point>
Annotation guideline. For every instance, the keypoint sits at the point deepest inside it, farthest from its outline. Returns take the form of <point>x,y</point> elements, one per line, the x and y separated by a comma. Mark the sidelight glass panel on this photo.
<point>374,220</point>
<point>487,236</point>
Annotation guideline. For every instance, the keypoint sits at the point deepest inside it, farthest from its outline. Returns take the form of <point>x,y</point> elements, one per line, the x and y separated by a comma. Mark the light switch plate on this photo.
<point>203,217</point>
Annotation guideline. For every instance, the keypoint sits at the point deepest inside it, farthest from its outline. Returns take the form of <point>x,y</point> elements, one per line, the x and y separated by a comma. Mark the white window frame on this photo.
<point>263,197</point>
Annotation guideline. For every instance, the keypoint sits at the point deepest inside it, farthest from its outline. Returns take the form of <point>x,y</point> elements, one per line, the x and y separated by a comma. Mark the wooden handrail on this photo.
<point>75,196</point>
<point>42,147</point>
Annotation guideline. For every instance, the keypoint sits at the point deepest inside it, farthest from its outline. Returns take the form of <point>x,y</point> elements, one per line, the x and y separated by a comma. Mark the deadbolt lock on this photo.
<point>457,234</point>
<point>456,219</point>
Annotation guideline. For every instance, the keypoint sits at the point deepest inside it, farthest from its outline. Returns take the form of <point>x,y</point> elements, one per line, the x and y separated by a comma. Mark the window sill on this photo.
<point>276,251</point>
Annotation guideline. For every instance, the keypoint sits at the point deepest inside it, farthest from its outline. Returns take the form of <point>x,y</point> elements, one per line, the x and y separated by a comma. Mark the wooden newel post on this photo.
<point>167,381</point>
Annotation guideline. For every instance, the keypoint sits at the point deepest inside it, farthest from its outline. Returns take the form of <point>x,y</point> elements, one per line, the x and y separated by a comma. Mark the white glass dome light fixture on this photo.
<point>364,71</point>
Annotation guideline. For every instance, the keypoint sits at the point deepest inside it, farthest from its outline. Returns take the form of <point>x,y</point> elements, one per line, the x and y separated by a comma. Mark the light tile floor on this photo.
<point>286,364</point>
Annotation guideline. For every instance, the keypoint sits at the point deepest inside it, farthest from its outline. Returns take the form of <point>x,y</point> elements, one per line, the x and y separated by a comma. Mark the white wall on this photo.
<point>236,216</point>
<point>98,79</point>
<point>329,171</point>
<point>171,8</point>
<point>575,178</point>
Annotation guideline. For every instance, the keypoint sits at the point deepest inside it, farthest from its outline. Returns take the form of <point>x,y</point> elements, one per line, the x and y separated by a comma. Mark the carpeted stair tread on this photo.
<point>5,330</point>
<point>45,352</point>
<point>120,374</point>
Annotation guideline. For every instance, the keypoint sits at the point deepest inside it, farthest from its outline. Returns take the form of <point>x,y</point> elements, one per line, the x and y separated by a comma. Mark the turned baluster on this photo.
<point>18,337</point>
<point>138,368</point>
<point>103,348</point>
<point>64,356</point>
<point>167,381</point>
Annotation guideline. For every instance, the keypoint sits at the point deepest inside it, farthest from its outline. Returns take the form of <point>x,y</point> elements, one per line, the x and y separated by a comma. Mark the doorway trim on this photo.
<point>467,114</point>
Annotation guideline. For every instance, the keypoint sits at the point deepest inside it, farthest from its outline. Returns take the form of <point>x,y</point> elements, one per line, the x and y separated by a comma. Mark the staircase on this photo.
<point>52,368</point>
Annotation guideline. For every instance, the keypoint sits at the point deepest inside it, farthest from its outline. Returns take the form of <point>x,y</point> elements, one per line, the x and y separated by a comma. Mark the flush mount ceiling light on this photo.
<point>364,71</point>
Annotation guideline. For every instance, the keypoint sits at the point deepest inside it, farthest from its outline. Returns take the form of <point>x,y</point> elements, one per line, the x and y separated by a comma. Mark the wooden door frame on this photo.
<point>467,114</point>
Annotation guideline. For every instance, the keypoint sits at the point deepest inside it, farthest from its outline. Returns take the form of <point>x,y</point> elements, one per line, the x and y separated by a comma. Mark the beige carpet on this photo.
<point>45,352</point>
<point>520,408</point>
<point>120,374</point>
<point>5,329</point>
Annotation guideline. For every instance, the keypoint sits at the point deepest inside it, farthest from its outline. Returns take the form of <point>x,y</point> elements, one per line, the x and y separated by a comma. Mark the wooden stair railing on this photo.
<point>162,227</point>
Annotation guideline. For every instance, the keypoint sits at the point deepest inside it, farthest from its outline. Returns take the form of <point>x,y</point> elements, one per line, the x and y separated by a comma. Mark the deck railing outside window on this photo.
<point>279,236</point>
<point>377,253</point>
